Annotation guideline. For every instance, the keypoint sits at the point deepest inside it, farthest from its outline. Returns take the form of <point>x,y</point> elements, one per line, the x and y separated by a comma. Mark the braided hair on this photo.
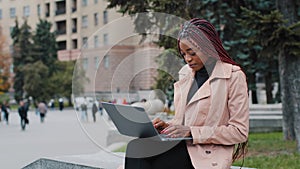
<point>204,37</point>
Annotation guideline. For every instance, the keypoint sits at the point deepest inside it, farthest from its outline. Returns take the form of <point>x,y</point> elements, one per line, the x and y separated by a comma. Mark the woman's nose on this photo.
<point>188,58</point>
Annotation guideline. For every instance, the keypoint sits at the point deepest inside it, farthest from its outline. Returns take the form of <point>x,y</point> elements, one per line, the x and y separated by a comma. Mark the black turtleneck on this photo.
<point>200,78</point>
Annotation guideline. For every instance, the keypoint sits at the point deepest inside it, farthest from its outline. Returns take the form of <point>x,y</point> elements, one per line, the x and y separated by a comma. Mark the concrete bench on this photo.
<point>265,118</point>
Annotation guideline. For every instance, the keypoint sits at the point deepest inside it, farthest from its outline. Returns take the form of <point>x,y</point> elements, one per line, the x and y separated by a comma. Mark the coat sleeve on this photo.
<point>237,128</point>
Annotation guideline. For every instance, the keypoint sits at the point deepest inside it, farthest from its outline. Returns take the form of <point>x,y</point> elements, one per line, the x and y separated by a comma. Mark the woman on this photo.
<point>211,105</point>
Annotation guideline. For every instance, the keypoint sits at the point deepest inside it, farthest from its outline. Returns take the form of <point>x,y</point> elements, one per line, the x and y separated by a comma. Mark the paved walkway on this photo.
<point>61,134</point>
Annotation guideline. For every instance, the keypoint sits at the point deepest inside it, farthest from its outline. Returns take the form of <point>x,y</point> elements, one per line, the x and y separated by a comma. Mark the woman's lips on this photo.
<point>192,65</point>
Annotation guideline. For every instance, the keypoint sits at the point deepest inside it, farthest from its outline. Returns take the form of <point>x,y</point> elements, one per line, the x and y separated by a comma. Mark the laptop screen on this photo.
<point>130,121</point>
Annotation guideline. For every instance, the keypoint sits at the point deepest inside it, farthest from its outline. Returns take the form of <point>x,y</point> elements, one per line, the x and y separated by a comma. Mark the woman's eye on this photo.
<point>193,54</point>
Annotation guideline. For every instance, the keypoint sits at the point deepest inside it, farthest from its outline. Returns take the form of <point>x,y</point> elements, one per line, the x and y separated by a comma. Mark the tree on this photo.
<point>61,80</point>
<point>35,59</point>
<point>21,55</point>
<point>265,62</point>
<point>4,66</point>
<point>289,61</point>
<point>281,40</point>
<point>44,45</point>
<point>35,81</point>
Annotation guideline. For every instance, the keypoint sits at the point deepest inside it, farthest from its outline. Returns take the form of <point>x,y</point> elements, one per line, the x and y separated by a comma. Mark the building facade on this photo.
<point>101,39</point>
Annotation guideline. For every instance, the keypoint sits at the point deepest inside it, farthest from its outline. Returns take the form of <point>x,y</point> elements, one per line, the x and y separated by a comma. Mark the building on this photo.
<point>98,38</point>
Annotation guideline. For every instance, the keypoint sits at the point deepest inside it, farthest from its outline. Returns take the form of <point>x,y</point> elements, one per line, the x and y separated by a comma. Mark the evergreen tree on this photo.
<point>21,55</point>
<point>45,46</point>
<point>288,38</point>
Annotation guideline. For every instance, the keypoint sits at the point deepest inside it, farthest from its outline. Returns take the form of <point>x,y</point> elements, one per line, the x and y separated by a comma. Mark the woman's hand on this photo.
<point>159,124</point>
<point>177,131</point>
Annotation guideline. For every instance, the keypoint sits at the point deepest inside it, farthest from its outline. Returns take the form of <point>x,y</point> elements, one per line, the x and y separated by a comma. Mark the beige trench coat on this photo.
<point>218,114</point>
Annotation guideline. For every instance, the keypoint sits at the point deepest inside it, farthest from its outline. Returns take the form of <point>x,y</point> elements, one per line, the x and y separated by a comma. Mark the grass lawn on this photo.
<point>269,151</point>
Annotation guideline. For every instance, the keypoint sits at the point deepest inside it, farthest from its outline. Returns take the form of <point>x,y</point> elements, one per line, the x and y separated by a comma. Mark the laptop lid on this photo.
<point>130,121</point>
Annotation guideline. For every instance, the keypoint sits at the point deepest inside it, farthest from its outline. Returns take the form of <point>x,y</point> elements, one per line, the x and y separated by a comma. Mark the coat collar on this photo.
<point>221,70</point>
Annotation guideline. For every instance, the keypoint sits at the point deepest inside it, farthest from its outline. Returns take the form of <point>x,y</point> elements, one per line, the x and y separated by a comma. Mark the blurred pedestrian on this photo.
<point>5,111</point>
<point>42,108</point>
<point>100,108</point>
<point>22,110</point>
<point>51,104</point>
<point>61,104</point>
<point>94,111</point>
<point>83,107</point>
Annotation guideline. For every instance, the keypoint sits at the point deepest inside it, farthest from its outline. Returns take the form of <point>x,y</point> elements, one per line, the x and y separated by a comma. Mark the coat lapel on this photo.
<point>221,70</point>
<point>201,93</point>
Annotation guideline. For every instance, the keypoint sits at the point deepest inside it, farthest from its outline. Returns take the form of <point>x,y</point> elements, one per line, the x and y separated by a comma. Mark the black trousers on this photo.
<point>153,154</point>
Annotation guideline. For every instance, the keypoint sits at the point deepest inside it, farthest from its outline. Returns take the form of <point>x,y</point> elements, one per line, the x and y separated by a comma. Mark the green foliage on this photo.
<point>288,38</point>
<point>61,81</point>
<point>21,55</point>
<point>35,80</point>
<point>280,161</point>
<point>38,73</point>
<point>45,47</point>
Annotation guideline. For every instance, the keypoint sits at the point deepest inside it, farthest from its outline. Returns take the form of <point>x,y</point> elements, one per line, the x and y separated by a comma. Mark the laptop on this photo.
<point>135,122</point>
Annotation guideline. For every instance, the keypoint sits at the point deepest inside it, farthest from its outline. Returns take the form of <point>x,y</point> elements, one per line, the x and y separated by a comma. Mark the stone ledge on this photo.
<point>100,160</point>
<point>44,163</point>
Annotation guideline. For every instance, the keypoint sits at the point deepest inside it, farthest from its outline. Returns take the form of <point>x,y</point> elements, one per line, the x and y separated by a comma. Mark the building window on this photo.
<point>62,45</point>
<point>84,21</point>
<point>96,61</point>
<point>85,63</point>
<point>105,39</point>
<point>95,1</point>
<point>106,61</point>
<point>96,41</point>
<point>105,17</point>
<point>47,10</point>
<point>96,19</point>
<point>74,44</point>
<point>12,12</point>
<point>26,11</point>
<point>0,13</point>
<point>85,42</point>
<point>84,2</point>
<point>74,5</point>
<point>39,10</point>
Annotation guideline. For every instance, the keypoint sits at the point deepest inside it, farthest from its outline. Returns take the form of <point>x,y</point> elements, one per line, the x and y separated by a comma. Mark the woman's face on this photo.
<point>193,57</point>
